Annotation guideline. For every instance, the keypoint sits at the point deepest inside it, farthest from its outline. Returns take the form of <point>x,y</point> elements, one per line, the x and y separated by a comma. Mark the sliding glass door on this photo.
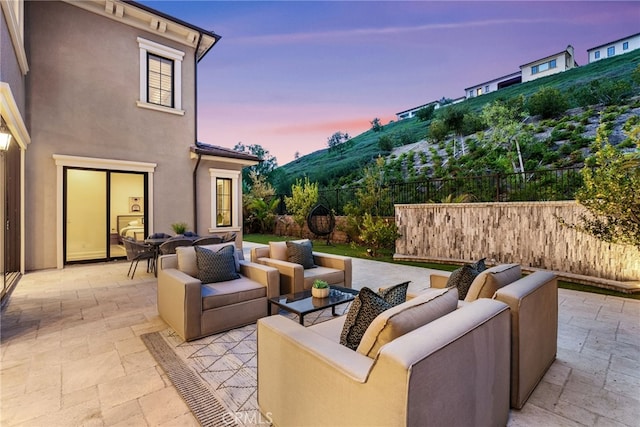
<point>100,208</point>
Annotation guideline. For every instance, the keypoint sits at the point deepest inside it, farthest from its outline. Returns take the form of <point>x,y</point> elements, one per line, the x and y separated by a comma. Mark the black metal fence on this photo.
<point>542,185</point>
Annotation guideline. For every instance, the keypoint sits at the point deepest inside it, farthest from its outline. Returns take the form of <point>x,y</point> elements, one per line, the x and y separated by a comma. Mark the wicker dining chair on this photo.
<point>137,251</point>
<point>169,247</point>
<point>207,240</point>
<point>229,237</point>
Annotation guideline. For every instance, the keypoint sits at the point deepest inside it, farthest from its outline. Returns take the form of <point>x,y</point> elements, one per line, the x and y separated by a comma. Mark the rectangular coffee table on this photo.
<point>302,303</point>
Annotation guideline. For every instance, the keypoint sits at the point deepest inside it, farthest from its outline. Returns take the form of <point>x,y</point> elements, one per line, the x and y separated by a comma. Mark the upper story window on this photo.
<point>596,55</point>
<point>159,80</point>
<point>160,77</point>
<point>479,91</point>
<point>611,51</point>
<point>625,46</point>
<point>543,67</point>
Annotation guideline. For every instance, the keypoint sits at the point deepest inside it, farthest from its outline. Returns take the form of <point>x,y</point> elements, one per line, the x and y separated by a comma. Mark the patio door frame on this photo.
<point>107,206</point>
<point>64,161</point>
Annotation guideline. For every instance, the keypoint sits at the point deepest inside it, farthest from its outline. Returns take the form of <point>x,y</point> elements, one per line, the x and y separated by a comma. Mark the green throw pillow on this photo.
<point>462,279</point>
<point>216,266</point>
<point>301,253</point>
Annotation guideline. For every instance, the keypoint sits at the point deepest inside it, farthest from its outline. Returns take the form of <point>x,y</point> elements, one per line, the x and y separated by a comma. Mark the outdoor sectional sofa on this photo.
<point>449,371</point>
<point>453,370</point>
<point>195,309</point>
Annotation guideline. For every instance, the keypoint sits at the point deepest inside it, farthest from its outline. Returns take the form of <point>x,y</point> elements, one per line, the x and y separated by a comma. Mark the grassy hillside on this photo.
<point>337,169</point>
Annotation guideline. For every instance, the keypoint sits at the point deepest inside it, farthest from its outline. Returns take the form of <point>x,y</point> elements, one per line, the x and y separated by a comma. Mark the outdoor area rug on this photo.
<point>217,375</point>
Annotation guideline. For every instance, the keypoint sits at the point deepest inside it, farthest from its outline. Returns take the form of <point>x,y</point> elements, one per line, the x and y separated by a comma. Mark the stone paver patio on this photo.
<point>71,353</point>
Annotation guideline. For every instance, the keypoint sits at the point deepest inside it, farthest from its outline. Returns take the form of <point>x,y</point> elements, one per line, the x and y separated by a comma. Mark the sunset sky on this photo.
<point>288,74</point>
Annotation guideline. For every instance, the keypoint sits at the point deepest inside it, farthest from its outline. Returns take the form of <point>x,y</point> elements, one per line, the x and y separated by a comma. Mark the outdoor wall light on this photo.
<point>5,136</point>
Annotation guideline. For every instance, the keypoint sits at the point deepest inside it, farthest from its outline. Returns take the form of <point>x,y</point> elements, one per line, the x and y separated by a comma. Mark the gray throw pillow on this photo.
<point>301,253</point>
<point>216,266</point>
<point>366,306</point>
<point>396,294</point>
<point>462,279</point>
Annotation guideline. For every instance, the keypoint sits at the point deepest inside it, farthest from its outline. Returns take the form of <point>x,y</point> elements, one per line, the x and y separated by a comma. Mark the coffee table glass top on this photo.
<point>302,303</point>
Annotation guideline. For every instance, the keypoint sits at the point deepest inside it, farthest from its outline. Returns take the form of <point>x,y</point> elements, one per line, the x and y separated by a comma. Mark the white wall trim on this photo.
<point>236,179</point>
<point>62,160</point>
<point>159,108</point>
<point>12,116</point>
<point>14,16</point>
<point>166,52</point>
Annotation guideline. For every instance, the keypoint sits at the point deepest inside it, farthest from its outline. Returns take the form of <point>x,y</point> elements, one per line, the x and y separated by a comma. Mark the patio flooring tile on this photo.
<point>71,353</point>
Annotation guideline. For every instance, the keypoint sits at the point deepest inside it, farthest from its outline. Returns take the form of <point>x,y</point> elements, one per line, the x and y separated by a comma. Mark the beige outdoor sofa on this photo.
<point>334,269</point>
<point>452,371</point>
<point>195,310</point>
<point>533,300</point>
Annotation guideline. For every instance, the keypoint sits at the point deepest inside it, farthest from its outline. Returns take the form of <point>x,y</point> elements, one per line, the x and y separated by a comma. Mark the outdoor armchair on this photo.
<point>334,269</point>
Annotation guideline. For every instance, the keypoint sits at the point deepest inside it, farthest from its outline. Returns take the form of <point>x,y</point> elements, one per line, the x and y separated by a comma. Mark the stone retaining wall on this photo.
<point>527,233</point>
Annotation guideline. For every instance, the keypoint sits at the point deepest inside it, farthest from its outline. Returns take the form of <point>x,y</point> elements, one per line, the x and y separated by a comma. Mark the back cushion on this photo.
<point>492,279</point>
<point>406,317</point>
<point>187,257</point>
<point>278,250</point>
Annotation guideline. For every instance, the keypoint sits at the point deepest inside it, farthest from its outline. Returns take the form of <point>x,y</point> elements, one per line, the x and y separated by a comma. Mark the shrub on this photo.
<point>426,113</point>
<point>304,195</point>
<point>547,102</point>
<point>378,233</point>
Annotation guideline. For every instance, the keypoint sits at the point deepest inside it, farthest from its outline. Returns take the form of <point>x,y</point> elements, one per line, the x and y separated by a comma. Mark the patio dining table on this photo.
<point>156,242</point>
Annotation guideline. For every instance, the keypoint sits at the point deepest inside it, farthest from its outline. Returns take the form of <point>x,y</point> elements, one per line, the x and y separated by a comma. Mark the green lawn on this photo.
<point>355,251</point>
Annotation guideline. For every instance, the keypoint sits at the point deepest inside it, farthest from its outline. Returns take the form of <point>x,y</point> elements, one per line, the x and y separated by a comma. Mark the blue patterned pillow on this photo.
<point>479,265</point>
<point>301,253</point>
<point>216,266</point>
<point>364,308</point>
<point>396,294</point>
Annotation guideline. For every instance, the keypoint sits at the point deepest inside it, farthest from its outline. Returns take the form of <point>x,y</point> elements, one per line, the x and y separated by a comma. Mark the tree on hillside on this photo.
<point>453,118</point>
<point>376,126</point>
<point>506,119</point>
<point>338,142</point>
<point>611,192</point>
<point>547,102</point>
<point>267,165</point>
<point>425,114</point>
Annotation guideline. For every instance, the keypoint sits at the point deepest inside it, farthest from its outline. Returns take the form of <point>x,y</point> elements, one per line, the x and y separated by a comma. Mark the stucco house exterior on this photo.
<point>106,132</point>
<point>549,65</point>
<point>493,85</point>
<point>614,48</point>
<point>407,114</point>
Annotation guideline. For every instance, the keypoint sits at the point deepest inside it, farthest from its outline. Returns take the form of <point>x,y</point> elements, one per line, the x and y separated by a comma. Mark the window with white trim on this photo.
<point>596,55</point>
<point>625,46</point>
<point>611,51</point>
<point>225,188</point>
<point>160,77</point>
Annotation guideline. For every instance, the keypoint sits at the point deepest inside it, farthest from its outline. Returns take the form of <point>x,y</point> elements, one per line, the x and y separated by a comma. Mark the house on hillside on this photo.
<point>549,65</point>
<point>493,85</point>
<point>616,47</point>
<point>443,102</point>
<point>109,89</point>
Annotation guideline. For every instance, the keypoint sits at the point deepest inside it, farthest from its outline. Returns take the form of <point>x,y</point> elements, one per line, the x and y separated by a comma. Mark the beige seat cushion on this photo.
<point>222,294</point>
<point>187,257</point>
<point>406,317</point>
<point>329,275</point>
<point>489,281</point>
